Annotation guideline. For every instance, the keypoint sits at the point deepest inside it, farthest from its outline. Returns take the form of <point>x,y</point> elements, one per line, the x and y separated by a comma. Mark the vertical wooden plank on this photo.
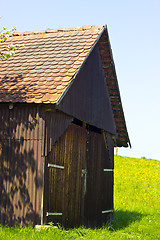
<point>94,172</point>
<point>4,182</point>
<point>1,180</point>
<point>43,203</point>
<point>99,184</point>
<point>107,176</point>
<point>20,164</point>
<point>107,193</point>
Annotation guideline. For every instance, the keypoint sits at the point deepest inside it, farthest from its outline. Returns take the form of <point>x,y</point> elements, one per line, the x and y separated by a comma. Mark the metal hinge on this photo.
<point>53,214</point>
<point>107,211</point>
<point>83,172</point>
<point>108,170</point>
<point>55,166</point>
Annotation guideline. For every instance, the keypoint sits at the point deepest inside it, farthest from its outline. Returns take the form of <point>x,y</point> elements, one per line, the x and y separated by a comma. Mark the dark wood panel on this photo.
<point>82,190</point>
<point>21,165</point>
<point>99,183</point>
<point>88,98</point>
<point>65,192</point>
<point>27,133</point>
<point>94,179</point>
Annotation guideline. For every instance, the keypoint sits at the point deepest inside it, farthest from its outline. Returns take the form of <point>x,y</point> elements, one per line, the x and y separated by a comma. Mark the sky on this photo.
<point>134,31</point>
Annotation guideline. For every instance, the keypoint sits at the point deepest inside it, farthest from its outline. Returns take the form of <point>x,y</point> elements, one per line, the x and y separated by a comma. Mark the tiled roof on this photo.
<point>42,69</point>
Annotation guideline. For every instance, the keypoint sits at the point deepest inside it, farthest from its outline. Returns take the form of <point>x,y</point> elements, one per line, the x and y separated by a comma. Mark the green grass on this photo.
<point>137,207</point>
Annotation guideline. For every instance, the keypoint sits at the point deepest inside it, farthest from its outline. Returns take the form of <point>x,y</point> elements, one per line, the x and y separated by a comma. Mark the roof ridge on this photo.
<point>58,30</point>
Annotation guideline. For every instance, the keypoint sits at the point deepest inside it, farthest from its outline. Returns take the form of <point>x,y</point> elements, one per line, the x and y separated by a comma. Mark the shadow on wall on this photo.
<point>122,219</point>
<point>19,180</point>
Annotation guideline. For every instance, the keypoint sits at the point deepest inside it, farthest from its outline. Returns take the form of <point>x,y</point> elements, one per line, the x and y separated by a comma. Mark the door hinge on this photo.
<point>55,166</point>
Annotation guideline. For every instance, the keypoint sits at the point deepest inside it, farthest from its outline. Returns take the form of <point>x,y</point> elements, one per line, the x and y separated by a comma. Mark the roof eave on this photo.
<point>114,71</point>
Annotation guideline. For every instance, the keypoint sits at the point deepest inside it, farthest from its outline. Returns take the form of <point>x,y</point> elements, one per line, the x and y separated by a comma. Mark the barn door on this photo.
<point>99,197</point>
<point>66,178</point>
<point>55,201</point>
<point>79,179</point>
<point>108,174</point>
<point>94,179</point>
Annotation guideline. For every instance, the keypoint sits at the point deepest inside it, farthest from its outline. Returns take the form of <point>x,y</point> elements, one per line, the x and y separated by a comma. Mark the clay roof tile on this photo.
<point>46,63</point>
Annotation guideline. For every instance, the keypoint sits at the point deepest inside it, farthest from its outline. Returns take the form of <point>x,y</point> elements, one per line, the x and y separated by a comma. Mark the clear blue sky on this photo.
<point>134,30</point>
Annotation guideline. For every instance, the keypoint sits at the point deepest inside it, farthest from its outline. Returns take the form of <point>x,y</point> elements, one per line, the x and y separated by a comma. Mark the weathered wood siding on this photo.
<point>99,195</point>
<point>80,190</point>
<point>87,98</point>
<point>27,133</point>
<point>21,165</point>
<point>65,193</point>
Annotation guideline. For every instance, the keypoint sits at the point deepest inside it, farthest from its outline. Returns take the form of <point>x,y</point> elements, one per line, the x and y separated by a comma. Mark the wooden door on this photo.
<point>79,179</point>
<point>66,179</point>
<point>99,197</point>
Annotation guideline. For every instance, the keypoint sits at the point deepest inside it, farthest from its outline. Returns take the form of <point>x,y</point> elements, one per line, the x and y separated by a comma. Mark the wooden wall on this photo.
<point>27,134</point>
<point>79,190</point>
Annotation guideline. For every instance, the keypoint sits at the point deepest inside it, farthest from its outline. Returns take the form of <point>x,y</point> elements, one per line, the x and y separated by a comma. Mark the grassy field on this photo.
<point>137,207</point>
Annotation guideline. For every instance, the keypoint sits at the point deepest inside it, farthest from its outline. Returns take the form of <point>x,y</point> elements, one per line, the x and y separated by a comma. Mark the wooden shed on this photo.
<point>60,117</point>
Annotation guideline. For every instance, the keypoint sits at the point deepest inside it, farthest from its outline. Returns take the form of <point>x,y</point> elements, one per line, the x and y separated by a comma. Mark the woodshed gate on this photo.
<point>81,191</point>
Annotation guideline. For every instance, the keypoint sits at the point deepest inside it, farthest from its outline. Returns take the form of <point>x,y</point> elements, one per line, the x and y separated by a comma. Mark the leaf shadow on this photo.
<point>18,166</point>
